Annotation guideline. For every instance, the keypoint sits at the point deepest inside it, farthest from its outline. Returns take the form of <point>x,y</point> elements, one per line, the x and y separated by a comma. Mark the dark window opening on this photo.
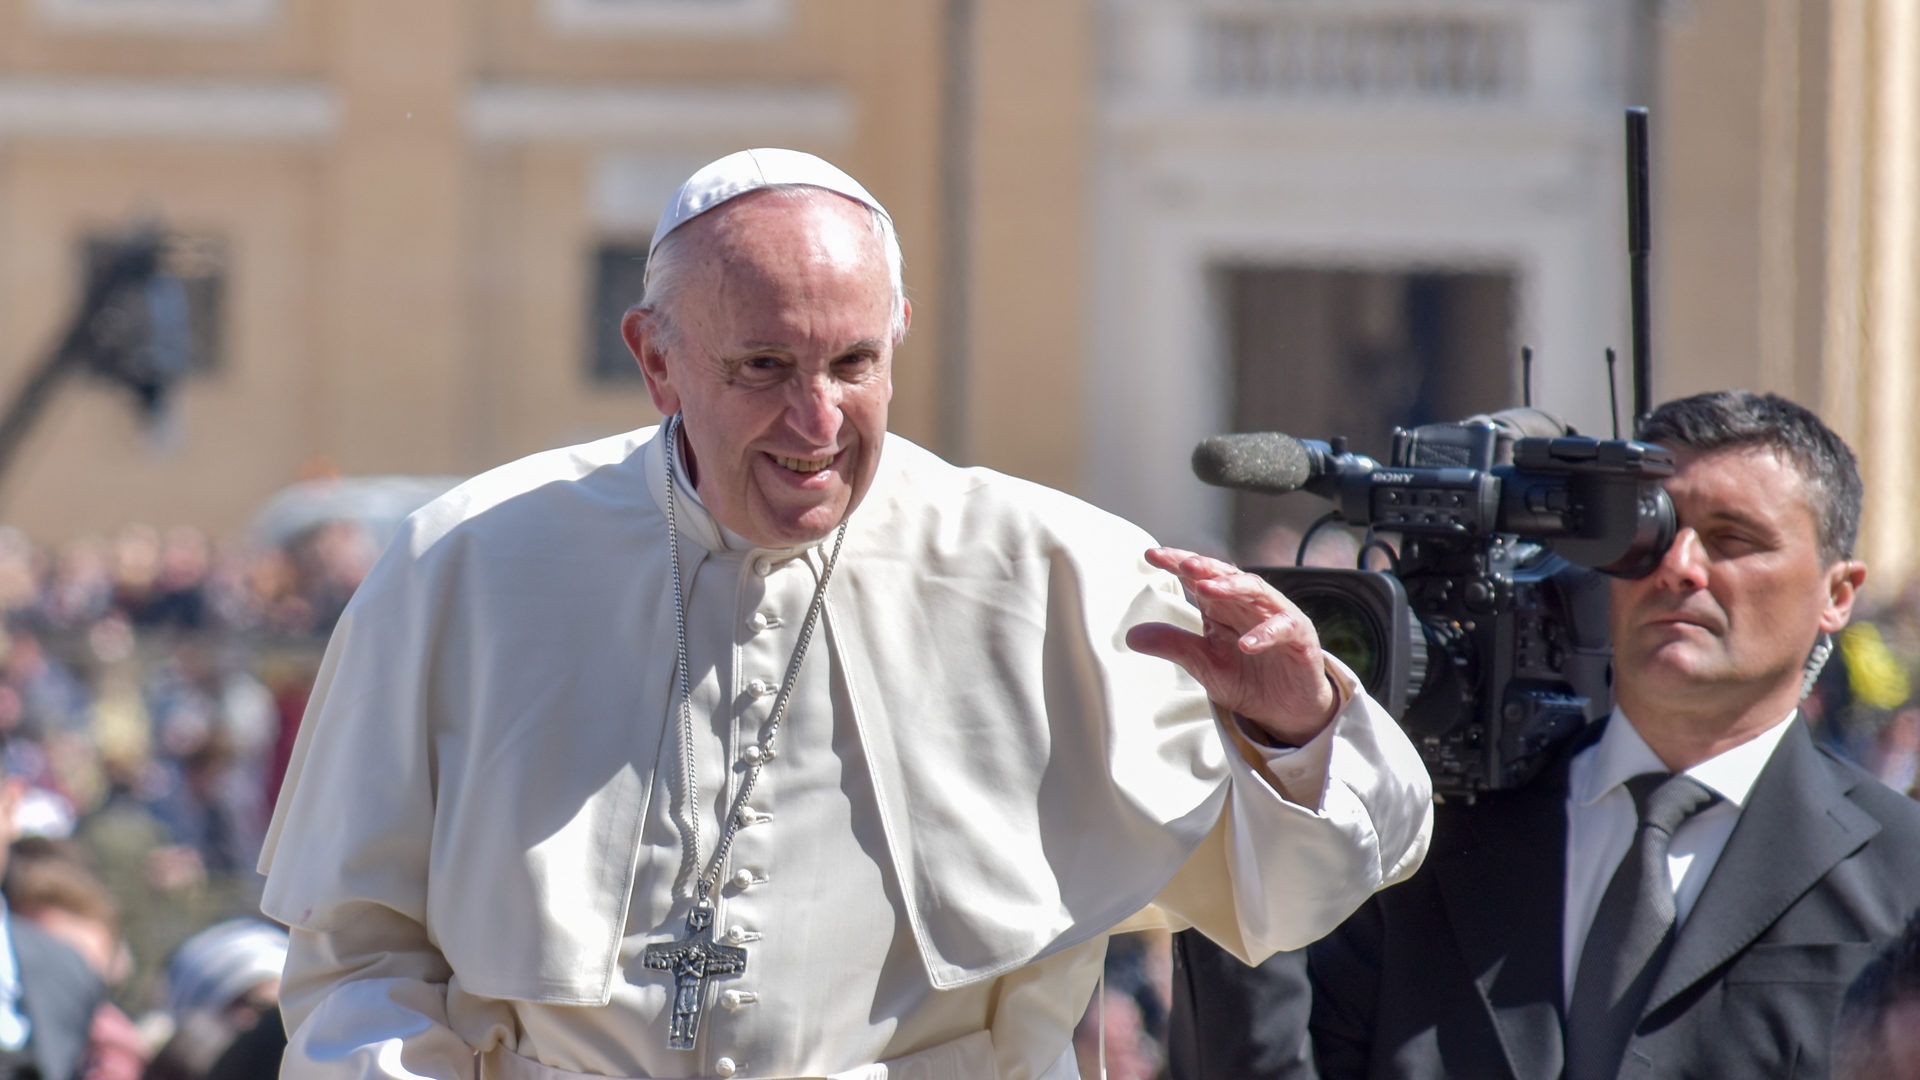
<point>1318,352</point>
<point>619,271</point>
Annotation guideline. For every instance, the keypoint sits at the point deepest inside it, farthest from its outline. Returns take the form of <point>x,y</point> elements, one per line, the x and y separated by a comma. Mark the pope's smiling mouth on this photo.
<point>803,465</point>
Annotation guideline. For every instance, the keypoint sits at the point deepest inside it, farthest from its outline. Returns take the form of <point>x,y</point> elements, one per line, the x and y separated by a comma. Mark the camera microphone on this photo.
<point>1264,461</point>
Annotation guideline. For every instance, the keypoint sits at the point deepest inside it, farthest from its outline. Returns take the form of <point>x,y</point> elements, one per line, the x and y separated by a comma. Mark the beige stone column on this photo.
<point>1035,80</point>
<point>388,385</point>
<point>1870,386</point>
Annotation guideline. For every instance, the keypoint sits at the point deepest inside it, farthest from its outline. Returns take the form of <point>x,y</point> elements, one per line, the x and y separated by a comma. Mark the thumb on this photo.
<point>1169,642</point>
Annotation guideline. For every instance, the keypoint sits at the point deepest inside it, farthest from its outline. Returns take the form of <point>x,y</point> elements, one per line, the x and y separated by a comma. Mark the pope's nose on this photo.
<point>815,411</point>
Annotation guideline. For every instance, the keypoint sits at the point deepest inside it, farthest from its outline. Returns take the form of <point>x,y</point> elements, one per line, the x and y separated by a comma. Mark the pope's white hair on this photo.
<point>670,265</point>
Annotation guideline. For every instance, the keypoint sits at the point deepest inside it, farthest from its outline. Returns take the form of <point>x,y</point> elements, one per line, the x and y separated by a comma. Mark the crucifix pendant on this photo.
<point>693,960</point>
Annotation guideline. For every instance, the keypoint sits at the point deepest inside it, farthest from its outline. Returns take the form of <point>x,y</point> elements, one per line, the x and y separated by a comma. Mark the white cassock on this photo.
<point>976,780</point>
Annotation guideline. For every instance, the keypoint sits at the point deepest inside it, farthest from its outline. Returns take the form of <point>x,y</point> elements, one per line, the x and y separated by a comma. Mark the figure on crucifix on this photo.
<point>692,960</point>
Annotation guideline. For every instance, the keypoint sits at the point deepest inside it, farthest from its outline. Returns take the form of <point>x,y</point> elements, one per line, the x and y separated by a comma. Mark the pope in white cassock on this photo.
<point>764,743</point>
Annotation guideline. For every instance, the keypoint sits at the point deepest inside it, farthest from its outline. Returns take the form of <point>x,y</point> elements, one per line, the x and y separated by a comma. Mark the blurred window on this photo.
<point>1319,351</point>
<point>665,16</point>
<point>619,268</point>
<point>199,263</point>
<point>154,14</point>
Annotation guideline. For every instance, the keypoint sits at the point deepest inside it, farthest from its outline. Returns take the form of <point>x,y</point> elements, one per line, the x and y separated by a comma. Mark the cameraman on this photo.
<point>1689,889</point>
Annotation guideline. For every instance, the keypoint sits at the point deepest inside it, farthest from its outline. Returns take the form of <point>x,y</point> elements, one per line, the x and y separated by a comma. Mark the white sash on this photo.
<point>969,1057</point>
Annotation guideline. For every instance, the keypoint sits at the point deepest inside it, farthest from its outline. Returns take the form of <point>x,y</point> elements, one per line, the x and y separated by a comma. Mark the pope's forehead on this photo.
<point>807,224</point>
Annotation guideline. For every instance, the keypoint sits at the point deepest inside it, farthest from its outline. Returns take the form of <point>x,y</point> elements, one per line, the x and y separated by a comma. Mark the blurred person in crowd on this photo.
<point>48,994</point>
<point>49,883</point>
<point>159,885</point>
<point>231,968</point>
<point>199,810</point>
<point>1895,758</point>
<point>1878,1033</point>
<point>215,725</point>
<point>484,844</point>
<point>136,567</point>
<point>20,572</point>
<point>254,1054</point>
<point>51,697</point>
<point>1112,1041</point>
<point>81,591</point>
<point>1688,890</point>
<point>176,597</point>
<point>272,584</point>
<point>222,983</point>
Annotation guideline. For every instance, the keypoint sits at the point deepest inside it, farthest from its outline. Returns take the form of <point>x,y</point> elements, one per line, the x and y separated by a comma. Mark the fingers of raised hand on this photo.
<point>1288,627</point>
<point>1256,611</point>
<point>1191,568</point>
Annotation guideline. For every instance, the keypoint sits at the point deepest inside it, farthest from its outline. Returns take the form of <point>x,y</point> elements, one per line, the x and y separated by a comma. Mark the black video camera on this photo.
<point>1488,639</point>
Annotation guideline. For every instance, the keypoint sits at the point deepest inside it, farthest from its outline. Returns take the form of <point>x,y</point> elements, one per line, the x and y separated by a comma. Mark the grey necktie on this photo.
<point>1632,930</point>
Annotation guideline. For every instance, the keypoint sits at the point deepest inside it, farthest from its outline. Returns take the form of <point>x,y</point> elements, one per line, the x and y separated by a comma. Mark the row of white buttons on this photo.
<point>743,879</point>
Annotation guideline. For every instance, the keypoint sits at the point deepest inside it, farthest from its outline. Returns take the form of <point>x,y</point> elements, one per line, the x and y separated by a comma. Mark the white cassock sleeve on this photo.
<point>369,1000</point>
<point>1307,833</point>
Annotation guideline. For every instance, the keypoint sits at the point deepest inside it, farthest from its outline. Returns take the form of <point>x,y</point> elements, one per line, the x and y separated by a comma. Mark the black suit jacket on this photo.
<point>59,995</point>
<point>1456,973</point>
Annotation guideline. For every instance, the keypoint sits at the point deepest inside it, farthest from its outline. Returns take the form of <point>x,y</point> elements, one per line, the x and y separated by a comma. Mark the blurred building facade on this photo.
<point>1129,223</point>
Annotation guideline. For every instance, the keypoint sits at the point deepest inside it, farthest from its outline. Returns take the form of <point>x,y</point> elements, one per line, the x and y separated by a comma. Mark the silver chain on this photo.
<point>690,794</point>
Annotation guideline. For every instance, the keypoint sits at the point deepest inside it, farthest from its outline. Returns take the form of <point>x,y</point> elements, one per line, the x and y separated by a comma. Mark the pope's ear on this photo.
<point>641,330</point>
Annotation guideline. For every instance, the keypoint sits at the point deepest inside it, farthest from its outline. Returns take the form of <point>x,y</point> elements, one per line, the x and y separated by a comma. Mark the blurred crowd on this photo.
<point>151,684</point>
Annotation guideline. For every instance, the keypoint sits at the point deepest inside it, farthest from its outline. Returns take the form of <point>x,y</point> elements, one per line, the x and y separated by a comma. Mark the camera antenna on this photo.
<point>1639,241</point>
<point>1526,376</point>
<point>1613,392</point>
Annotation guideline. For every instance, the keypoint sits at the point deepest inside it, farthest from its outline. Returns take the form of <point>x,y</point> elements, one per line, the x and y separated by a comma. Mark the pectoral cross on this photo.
<point>693,959</point>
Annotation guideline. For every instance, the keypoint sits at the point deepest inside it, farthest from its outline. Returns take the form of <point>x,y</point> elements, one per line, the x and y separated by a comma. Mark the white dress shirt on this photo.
<point>1601,821</point>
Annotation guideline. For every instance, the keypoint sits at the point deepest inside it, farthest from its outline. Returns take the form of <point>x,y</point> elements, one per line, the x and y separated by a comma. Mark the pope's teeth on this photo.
<point>802,464</point>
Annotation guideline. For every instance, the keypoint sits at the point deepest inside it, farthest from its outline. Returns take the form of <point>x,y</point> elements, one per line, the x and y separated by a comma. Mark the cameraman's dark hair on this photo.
<point>1739,418</point>
<point>1889,980</point>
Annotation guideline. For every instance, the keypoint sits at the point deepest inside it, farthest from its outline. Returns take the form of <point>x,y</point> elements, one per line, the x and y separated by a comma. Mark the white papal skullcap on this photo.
<point>750,170</point>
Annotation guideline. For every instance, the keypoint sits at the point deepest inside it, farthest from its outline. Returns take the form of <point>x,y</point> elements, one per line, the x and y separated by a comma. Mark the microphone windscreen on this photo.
<point>1264,461</point>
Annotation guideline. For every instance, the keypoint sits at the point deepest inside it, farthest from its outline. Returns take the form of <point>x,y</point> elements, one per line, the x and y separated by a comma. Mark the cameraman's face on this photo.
<point>1728,617</point>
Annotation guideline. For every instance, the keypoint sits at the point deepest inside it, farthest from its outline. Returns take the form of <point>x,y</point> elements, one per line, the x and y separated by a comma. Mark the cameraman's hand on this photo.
<point>1258,655</point>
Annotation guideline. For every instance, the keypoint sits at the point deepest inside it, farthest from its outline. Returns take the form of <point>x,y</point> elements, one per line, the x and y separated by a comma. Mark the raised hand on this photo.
<point>1258,655</point>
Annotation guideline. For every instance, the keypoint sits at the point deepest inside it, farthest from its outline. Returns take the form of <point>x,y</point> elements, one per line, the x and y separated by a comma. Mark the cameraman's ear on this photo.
<point>1843,585</point>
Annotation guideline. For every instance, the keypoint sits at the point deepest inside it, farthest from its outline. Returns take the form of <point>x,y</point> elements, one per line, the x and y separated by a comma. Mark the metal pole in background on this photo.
<point>1639,246</point>
<point>956,241</point>
<point>128,327</point>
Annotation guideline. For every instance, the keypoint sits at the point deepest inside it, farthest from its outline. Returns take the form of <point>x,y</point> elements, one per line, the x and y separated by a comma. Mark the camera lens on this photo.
<point>1347,630</point>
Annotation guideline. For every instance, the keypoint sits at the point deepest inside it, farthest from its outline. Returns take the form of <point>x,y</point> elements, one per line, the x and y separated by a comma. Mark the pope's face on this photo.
<point>1732,610</point>
<point>780,362</point>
